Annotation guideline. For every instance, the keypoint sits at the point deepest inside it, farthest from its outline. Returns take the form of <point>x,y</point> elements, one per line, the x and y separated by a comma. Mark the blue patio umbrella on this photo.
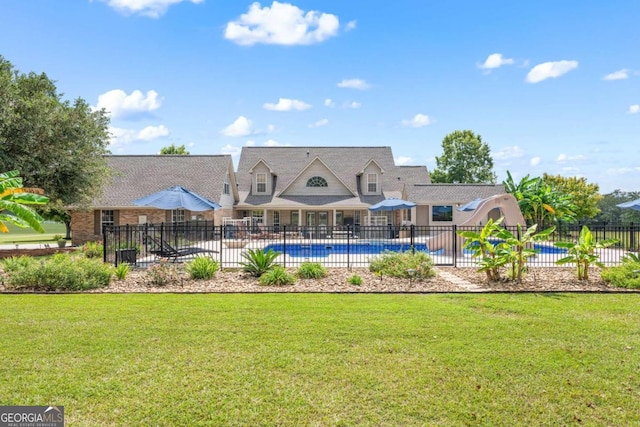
<point>633,204</point>
<point>470,206</point>
<point>391,204</point>
<point>177,198</point>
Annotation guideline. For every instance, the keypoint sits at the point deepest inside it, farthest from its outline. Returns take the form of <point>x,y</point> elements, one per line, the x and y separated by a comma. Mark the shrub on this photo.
<point>61,272</point>
<point>258,261</point>
<point>311,270</point>
<point>202,268</point>
<point>626,275</point>
<point>122,270</point>
<point>277,276</point>
<point>582,253</point>
<point>93,250</point>
<point>17,262</point>
<point>355,280</point>
<point>163,274</point>
<point>416,265</point>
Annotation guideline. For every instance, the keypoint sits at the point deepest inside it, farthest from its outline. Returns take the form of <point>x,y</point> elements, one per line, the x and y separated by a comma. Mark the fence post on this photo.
<point>104,243</point>
<point>632,237</point>
<point>348,246</point>
<point>454,246</point>
<point>284,245</point>
<point>411,241</point>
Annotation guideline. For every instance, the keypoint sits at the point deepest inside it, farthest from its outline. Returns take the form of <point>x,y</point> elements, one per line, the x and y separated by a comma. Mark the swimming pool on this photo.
<point>540,247</point>
<point>312,250</point>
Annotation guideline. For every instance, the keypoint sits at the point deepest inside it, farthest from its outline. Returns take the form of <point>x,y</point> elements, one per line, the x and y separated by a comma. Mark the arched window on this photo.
<point>317,181</point>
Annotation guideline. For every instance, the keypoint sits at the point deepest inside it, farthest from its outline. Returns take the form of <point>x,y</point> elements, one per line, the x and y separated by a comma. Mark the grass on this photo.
<point>316,359</point>
<point>27,235</point>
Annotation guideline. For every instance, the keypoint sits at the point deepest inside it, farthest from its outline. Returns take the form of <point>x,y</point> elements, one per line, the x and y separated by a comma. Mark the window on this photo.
<point>372,182</point>
<point>261,183</point>
<point>276,218</point>
<point>317,181</point>
<point>107,218</point>
<point>356,217</point>
<point>408,216</point>
<point>177,215</point>
<point>442,213</point>
<point>339,218</point>
<point>226,189</point>
<point>295,218</point>
<point>257,216</point>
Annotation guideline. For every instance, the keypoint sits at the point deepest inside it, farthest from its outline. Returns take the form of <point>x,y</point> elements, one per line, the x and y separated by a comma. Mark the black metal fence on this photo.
<point>348,246</point>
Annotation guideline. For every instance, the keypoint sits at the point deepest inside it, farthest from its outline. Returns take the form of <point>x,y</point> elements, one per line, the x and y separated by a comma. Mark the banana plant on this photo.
<point>519,247</point>
<point>582,253</point>
<point>479,243</point>
<point>14,199</point>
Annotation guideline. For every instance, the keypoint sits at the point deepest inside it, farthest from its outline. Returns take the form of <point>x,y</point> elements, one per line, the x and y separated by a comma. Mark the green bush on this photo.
<point>61,272</point>
<point>416,265</point>
<point>163,274</point>
<point>17,262</point>
<point>311,270</point>
<point>122,270</point>
<point>202,268</point>
<point>93,250</point>
<point>355,280</point>
<point>277,276</point>
<point>258,261</point>
<point>626,275</point>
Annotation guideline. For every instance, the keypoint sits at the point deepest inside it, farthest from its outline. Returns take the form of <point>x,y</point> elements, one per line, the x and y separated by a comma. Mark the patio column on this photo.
<point>299,217</point>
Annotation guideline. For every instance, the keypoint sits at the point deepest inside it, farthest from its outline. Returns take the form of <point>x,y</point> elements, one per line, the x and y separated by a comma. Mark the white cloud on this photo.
<point>403,160</point>
<point>329,103</point>
<point>352,104</point>
<point>617,75</point>
<point>570,170</point>
<point>274,143</point>
<point>495,60</point>
<point>354,84</point>
<point>622,170</point>
<point>509,152</point>
<point>319,123</point>
<point>351,25</point>
<point>241,127</point>
<point>285,104</point>
<point>251,143</point>
<point>120,136</point>
<point>150,8</point>
<point>564,158</point>
<point>282,24</point>
<point>271,128</point>
<point>535,161</point>
<point>634,109</point>
<point>121,105</point>
<point>548,70</point>
<point>231,149</point>
<point>418,121</point>
<point>191,144</point>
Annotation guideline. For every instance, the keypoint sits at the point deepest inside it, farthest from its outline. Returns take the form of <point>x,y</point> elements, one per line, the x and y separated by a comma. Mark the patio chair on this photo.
<point>165,250</point>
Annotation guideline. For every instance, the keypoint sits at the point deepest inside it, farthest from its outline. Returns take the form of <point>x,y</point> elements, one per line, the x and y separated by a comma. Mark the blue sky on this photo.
<point>552,86</point>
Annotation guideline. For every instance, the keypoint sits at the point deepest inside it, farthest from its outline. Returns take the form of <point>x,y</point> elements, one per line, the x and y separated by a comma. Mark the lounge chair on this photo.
<point>165,250</point>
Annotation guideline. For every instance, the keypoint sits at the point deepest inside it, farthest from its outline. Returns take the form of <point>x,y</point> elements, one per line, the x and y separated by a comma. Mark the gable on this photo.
<point>317,168</point>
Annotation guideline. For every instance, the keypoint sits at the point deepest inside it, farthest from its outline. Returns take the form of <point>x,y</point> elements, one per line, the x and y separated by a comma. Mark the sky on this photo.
<point>551,86</point>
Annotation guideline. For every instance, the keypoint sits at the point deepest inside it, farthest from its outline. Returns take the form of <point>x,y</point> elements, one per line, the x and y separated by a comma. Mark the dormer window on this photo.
<point>317,181</point>
<point>372,182</point>
<point>261,183</point>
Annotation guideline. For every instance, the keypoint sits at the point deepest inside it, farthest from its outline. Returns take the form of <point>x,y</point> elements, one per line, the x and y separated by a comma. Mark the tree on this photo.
<point>610,212</point>
<point>585,196</point>
<point>540,202</point>
<point>57,145</point>
<point>14,201</point>
<point>174,149</point>
<point>465,159</point>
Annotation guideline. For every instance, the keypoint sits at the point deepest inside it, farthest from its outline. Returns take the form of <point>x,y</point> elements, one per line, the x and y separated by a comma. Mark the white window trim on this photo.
<point>258,175</point>
<point>369,182</point>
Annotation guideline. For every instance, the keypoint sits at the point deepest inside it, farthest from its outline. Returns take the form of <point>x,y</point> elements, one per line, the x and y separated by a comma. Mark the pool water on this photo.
<point>541,248</point>
<point>310,250</point>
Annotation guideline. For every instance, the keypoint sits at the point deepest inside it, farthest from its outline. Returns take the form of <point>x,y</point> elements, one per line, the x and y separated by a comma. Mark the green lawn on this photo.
<point>27,235</point>
<point>316,359</point>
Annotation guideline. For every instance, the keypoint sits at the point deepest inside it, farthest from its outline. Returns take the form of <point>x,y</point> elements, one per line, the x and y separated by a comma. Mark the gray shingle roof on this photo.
<point>345,162</point>
<point>455,193</point>
<point>138,176</point>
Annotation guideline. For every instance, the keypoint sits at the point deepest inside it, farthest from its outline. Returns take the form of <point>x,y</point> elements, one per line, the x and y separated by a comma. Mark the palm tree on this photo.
<point>14,199</point>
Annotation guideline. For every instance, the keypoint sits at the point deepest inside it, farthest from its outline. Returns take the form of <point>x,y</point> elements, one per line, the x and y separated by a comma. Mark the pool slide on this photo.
<point>509,209</point>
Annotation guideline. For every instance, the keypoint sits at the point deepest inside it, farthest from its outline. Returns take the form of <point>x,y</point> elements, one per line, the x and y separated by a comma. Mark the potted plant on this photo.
<point>60,240</point>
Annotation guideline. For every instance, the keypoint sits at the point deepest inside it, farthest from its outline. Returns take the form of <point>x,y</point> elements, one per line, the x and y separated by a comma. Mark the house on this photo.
<point>277,186</point>
<point>211,176</point>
